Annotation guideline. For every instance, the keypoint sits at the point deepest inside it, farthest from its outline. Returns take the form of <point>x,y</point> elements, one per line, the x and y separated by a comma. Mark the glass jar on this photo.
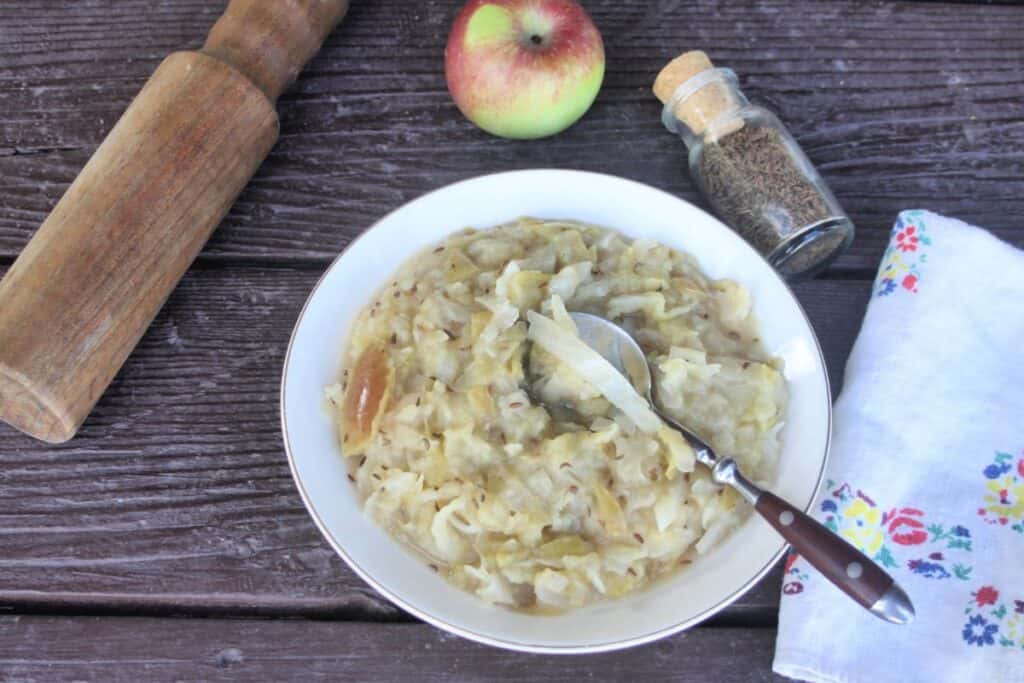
<point>755,176</point>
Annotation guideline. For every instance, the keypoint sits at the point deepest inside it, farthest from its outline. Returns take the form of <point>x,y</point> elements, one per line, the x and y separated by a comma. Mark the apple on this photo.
<point>524,68</point>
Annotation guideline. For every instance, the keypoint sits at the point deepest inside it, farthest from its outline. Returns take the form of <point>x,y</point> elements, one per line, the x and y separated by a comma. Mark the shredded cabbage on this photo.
<point>532,474</point>
<point>570,350</point>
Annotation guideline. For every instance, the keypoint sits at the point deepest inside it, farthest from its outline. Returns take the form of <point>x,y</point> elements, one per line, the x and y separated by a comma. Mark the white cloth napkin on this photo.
<point>927,470</point>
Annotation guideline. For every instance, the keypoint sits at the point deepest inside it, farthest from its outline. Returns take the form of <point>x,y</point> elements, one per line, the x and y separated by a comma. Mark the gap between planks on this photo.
<point>297,263</point>
<point>187,607</point>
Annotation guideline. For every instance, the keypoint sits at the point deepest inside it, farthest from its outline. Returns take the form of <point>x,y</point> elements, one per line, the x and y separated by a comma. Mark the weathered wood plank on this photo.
<point>133,649</point>
<point>176,495</point>
<point>901,105</point>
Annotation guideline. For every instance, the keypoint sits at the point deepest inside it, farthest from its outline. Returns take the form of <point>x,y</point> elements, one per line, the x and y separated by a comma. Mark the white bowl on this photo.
<point>684,599</point>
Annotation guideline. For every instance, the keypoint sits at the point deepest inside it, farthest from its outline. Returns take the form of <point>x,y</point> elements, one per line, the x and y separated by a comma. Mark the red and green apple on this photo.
<point>524,68</point>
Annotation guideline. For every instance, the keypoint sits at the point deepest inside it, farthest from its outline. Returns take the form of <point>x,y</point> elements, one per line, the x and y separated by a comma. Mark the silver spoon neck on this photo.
<point>726,471</point>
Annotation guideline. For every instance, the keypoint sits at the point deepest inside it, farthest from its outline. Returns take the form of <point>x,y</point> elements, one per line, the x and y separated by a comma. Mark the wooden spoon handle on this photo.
<point>842,564</point>
<point>270,41</point>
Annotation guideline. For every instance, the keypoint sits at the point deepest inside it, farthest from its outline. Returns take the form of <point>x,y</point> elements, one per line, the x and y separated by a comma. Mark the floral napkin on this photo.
<point>927,470</point>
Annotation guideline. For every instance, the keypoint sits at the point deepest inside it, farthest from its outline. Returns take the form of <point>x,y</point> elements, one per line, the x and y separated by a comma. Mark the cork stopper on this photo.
<point>705,105</point>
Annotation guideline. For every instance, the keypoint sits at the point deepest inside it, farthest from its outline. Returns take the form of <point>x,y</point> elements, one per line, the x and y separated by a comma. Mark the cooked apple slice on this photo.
<point>366,397</point>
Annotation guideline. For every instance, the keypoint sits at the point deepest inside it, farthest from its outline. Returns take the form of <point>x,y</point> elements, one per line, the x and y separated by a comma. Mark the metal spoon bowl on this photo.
<point>842,564</point>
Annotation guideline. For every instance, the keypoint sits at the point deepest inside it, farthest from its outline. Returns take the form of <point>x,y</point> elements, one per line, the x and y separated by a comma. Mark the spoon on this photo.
<point>842,564</point>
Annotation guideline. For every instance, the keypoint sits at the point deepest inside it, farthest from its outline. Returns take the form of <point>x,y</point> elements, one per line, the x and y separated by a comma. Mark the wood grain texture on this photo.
<point>176,499</point>
<point>176,495</point>
<point>135,218</point>
<point>107,257</point>
<point>270,42</point>
<point>132,649</point>
<point>901,105</point>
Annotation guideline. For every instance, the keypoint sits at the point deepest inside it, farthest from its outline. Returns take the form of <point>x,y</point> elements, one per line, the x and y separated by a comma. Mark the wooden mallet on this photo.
<point>89,283</point>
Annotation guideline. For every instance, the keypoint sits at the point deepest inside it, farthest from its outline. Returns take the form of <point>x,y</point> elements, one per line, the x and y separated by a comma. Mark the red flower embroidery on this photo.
<point>790,561</point>
<point>1020,467</point>
<point>909,282</point>
<point>793,588</point>
<point>905,528</point>
<point>986,595</point>
<point>906,240</point>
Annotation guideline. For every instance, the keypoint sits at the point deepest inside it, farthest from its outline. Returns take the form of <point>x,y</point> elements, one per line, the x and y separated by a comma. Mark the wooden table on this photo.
<point>168,542</point>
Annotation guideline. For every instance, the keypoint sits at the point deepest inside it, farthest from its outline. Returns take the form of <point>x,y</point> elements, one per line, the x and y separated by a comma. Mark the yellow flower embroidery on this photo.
<point>1006,498</point>
<point>862,526</point>
<point>1013,628</point>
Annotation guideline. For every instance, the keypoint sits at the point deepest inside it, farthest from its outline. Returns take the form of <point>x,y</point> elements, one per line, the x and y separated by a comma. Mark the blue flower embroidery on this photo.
<point>961,531</point>
<point>977,631</point>
<point>886,287</point>
<point>994,470</point>
<point>929,570</point>
<point>829,506</point>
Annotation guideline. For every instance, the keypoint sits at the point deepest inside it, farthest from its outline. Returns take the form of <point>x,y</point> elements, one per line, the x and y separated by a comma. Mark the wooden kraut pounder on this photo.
<point>84,290</point>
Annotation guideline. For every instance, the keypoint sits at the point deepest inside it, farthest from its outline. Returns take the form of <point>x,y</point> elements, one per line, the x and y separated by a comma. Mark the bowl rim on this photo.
<point>537,648</point>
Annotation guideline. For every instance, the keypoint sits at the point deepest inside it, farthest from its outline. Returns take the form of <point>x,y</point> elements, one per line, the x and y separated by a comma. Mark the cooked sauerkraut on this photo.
<point>526,481</point>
